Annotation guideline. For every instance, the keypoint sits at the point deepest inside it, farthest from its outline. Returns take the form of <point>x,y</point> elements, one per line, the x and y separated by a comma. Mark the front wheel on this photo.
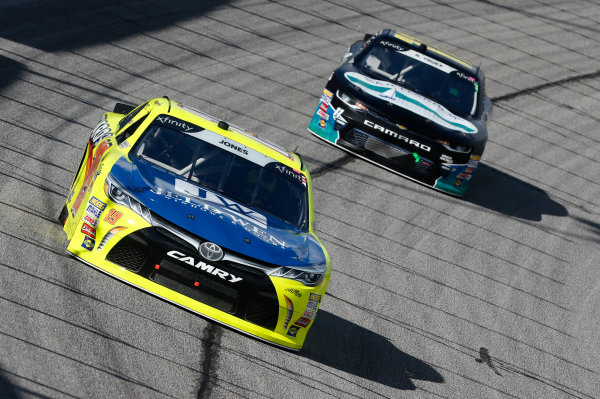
<point>62,218</point>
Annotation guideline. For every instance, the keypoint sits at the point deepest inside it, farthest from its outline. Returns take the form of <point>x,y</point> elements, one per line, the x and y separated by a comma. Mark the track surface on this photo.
<point>421,282</point>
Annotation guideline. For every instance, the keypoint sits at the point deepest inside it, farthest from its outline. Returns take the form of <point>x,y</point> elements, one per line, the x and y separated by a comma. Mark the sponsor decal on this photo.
<point>469,78</point>
<point>327,93</point>
<point>205,267</point>
<point>429,61</point>
<point>464,176</point>
<point>291,173</point>
<point>312,305</point>
<point>446,158</point>
<point>323,107</point>
<point>458,182</point>
<point>325,99</point>
<point>295,292</point>
<point>469,170</point>
<point>113,216</point>
<point>92,210</point>
<point>97,203</point>
<point>253,222</point>
<point>293,331</point>
<point>309,314</point>
<point>88,230</point>
<point>396,135</point>
<point>302,322</point>
<point>476,157</point>
<point>411,101</point>
<point>472,164</point>
<point>236,147</point>
<point>323,114</point>
<point>322,123</point>
<point>90,220</point>
<point>315,297</point>
<point>393,45</point>
<point>88,243</point>
<point>92,164</point>
<point>124,144</point>
<point>101,132</point>
<point>182,125</point>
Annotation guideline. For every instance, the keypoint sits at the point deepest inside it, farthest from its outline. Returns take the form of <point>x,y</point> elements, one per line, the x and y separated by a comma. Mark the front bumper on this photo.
<point>375,138</point>
<point>273,309</point>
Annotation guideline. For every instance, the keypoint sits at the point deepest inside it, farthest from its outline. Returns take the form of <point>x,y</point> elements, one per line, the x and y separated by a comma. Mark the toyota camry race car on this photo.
<point>202,214</point>
<point>408,107</point>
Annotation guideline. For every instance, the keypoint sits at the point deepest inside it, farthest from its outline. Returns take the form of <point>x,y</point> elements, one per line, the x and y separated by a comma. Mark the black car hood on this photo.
<point>412,110</point>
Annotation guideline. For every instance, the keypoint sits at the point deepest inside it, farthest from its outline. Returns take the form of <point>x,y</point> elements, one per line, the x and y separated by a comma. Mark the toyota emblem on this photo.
<point>211,251</point>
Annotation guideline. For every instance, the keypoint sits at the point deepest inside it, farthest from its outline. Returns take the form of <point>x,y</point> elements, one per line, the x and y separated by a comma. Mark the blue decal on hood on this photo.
<point>218,218</point>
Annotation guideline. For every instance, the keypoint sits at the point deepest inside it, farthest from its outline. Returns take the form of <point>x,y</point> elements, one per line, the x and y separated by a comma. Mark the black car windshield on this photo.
<point>266,186</point>
<point>429,77</point>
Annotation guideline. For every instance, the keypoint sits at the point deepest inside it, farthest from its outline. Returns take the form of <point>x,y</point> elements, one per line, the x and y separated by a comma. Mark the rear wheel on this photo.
<point>62,218</point>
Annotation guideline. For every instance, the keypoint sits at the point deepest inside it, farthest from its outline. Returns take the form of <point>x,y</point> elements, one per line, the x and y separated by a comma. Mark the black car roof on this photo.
<point>432,51</point>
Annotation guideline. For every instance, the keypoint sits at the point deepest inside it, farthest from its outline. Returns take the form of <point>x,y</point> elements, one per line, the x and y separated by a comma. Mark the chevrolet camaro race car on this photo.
<point>202,214</point>
<point>408,107</point>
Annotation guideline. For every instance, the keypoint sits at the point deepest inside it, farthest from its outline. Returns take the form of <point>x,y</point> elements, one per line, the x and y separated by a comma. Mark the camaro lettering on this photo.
<point>234,147</point>
<point>182,125</point>
<point>204,266</point>
<point>396,135</point>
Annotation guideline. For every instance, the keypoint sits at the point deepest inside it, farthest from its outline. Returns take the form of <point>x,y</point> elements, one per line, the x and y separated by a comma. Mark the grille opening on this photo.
<point>130,253</point>
<point>263,311</point>
<point>211,292</point>
<point>391,153</point>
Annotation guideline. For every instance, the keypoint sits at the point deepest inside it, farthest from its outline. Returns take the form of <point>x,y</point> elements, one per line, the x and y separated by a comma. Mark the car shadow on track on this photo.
<point>501,192</point>
<point>7,389</point>
<point>68,24</point>
<point>9,71</point>
<point>343,345</point>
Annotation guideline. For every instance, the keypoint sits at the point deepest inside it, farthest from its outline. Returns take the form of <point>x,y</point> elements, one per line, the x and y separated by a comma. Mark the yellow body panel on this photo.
<point>101,154</point>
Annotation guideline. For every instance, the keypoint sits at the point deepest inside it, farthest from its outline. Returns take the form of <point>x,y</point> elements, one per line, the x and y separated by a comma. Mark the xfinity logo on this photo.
<point>234,147</point>
<point>179,124</point>
<point>396,135</point>
<point>205,267</point>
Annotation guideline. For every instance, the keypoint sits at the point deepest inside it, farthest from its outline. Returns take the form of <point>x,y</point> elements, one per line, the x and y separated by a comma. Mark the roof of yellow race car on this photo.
<point>244,137</point>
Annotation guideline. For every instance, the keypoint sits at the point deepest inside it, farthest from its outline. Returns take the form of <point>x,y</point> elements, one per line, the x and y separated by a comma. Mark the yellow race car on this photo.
<point>203,214</point>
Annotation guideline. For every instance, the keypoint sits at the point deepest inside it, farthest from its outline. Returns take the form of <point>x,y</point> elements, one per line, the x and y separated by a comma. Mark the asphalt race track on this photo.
<point>493,296</point>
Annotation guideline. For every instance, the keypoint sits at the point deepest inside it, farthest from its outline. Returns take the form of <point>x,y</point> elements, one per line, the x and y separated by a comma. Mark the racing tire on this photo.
<point>62,218</point>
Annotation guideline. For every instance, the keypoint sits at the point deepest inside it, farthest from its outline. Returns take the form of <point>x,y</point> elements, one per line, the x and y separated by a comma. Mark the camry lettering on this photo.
<point>204,266</point>
<point>391,133</point>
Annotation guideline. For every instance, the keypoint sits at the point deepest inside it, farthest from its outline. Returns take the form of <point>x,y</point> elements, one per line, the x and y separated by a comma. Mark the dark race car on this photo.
<point>408,107</point>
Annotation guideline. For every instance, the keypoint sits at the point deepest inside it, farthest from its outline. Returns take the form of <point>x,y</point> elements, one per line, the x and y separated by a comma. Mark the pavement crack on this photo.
<point>484,357</point>
<point>547,85</point>
<point>331,166</point>
<point>211,339</point>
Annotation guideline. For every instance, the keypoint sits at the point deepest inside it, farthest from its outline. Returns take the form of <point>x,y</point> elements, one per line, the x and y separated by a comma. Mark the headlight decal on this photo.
<point>310,278</point>
<point>290,312</point>
<point>117,193</point>
<point>110,235</point>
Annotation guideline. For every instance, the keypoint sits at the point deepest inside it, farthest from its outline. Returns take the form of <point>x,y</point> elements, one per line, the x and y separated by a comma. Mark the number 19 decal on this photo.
<point>113,216</point>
